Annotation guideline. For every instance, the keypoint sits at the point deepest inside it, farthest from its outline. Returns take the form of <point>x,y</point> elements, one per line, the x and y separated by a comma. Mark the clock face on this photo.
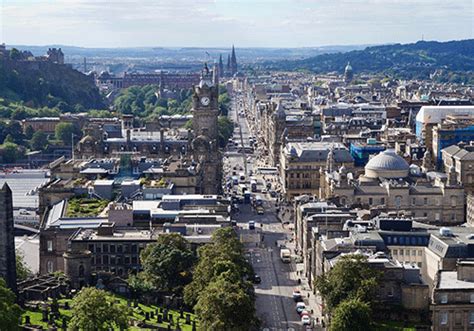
<point>205,101</point>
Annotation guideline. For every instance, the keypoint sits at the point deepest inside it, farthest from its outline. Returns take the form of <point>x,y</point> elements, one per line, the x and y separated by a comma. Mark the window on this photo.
<point>407,252</point>
<point>437,216</point>
<point>50,266</point>
<point>50,245</point>
<point>105,248</point>
<point>420,253</point>
<point>382,201</point>
<point>471,317</point>
<point>413,253</point>
<point>395,252</point>
<point>443,298</point>
<point>81,271</point>
<point>413,201</point>
<point>401,252</point>
<point>371,201</point>
<point>472,297</point>
<point>425,201</point>
<point>453,201</point>
<point>398,201</point>
<point>443,318</point>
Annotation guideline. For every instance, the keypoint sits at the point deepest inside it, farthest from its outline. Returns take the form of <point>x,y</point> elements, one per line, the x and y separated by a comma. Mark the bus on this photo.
<point>253,185</point>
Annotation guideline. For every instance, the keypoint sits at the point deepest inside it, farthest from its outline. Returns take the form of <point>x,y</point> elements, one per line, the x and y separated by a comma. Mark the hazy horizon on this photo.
<point>220,23</point>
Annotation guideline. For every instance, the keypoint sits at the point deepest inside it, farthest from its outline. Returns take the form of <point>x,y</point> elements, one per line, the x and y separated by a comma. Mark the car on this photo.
<point>297,295</point>
<point>264,191</point>
<point>256,279</point>
<point>251,225</point>
<point>300,306</point>
<point>24,212</point>
<point>306,320</point>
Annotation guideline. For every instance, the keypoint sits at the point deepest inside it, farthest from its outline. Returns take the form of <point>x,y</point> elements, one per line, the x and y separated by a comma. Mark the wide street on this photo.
<point>274,303</point>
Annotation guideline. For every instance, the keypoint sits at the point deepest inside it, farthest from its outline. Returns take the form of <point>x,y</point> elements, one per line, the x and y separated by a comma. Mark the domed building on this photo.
<point>348,73</point>
<point>388,185</point>
<point>387,165</point>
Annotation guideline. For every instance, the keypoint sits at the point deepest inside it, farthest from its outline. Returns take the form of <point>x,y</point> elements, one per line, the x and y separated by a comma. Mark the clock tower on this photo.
<point>205,109</point>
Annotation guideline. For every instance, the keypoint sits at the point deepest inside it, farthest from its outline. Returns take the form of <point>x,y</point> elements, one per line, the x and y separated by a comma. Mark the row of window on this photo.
<point>115,248</point>
<point>407,240</point>
<point>443,298</point>
<point>115,260</point>
<point>407,252</point>
<point>443,318</point>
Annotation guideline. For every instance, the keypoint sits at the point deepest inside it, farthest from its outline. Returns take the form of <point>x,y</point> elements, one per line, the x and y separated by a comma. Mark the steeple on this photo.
<point>228,63</point>
<point>233,61</point>
<point>330,160</point>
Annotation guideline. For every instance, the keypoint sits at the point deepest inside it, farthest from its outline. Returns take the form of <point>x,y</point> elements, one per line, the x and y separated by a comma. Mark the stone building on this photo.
<point>390,184</point>
<point>7,242</point>
<point>452,301</point>
<point>301,162</point>
<point>461,158</point>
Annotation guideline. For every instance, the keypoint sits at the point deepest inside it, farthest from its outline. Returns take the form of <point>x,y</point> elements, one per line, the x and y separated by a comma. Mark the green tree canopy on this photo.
<point>92,310</point>
<point>10,312</point>
<point>39,141</point>
<point>168,262</point>
<point>224,255</point>
<point>225,305</point>
<point>352,315</point>
<point>225,129</point>
<point>350,278</point>
<point>64,132</point>
<point>11,152</point>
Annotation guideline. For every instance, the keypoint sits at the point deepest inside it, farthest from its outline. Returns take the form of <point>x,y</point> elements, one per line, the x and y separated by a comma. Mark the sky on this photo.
<point>245,23</point>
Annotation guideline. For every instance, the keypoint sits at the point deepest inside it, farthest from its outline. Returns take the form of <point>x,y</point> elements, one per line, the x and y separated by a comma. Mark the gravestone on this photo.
<point>152,315</point>
<point>147,316</point>
<point>171,319</point>
<point>188,319</point>
<point>159,318</point>
<point>181,313</point>
<point>27,320</point>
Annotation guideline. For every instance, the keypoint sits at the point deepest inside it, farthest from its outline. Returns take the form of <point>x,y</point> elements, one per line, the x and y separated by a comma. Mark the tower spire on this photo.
<point>233,61</point>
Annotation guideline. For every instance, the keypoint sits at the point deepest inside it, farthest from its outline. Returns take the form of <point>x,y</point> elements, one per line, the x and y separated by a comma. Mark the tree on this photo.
<point>225,129</point>
<point>10,312</point>
<point>91,309</point>
<point>168,262</point>
<point>225,305</point>
<point>22,269</point>
<point>64,132</point>
<point>39,141</point>
<point>139,285</point>
<point>29,131</point>
<point>352,315</point>
<point>350,278</point>
<point>10,152</point>
<point>225,255</point>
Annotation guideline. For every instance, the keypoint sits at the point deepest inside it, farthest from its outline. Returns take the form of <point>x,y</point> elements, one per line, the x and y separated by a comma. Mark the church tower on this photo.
<point>7,241</point>
<point>221,66</point>
<point>205,109</point>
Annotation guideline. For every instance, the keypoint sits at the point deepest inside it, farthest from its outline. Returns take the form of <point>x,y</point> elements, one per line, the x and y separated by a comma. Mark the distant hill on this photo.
<point>416,60</point>
<point>43,83</point>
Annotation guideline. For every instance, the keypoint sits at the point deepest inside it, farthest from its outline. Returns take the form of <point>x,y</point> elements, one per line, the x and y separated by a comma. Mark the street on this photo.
<point>274,302</point>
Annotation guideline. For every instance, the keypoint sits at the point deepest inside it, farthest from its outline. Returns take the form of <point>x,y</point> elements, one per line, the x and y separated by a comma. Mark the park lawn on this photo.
<point>36,316</point>
<point>392,326</point>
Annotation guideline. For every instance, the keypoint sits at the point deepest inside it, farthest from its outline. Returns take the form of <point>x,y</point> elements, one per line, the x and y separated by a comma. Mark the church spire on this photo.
<point>233,61</point>
<point>228,63</point>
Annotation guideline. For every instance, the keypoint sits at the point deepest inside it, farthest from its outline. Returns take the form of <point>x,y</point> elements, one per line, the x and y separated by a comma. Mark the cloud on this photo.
<point>221,22</point>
